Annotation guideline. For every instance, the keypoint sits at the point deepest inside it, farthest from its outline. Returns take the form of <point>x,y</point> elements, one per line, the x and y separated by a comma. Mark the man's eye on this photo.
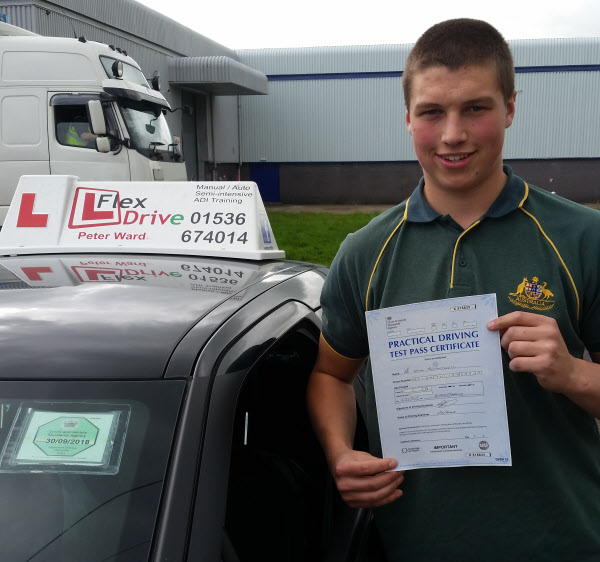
<point>476,108</point>
<point>431,112</point>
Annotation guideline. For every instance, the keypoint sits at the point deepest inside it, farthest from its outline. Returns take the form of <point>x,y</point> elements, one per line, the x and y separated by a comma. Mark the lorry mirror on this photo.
<point>117,69</point>
<point>155,82</point>
<point>102,144</point>
<point>96,117</point>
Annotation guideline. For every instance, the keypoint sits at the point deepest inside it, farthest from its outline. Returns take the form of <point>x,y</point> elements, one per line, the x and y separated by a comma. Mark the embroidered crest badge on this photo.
<point>532,295</point>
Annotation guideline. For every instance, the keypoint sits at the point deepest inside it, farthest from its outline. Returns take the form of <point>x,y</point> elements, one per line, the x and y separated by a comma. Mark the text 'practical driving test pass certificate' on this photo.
<point>439,386</point>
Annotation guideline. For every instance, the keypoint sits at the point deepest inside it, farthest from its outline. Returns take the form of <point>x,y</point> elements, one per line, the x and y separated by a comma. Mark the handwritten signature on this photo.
<point>444,403</point>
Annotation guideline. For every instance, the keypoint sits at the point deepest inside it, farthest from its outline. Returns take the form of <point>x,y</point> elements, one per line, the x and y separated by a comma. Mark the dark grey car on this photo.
<point>198,368</point>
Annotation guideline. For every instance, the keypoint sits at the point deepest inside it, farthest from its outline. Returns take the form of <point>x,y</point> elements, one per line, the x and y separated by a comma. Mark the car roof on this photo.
<point>117,316</point>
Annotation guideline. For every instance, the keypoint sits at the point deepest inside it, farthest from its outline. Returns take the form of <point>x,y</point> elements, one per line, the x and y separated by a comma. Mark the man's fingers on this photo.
<point>518,333</point>
<point>364,480</point>
<point>518,319</point>
<point>373,498</point>
<point>521,349</point>
<point>370,483</point>
<point>367,467</point>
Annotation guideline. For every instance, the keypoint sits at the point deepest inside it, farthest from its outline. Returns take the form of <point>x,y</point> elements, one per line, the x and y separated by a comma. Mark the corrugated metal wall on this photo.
<point>149,37</point>
<point>362,118</point>
<point>558,116</point>
<point>318,60</point>
<point>556,52</point>
<point>21,15</point>
<point>379,58</point>
<point>325,121</point>
<point>127,16</point>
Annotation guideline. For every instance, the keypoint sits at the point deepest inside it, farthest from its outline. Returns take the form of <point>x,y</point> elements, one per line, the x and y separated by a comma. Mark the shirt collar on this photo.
<point>509,199</point>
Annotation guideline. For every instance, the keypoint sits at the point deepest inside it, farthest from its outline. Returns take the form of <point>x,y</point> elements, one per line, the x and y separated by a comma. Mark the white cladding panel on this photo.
<point>326,121</point>
<point>556,52</point>
<point>557,116</point>
<point>362,118</point>
<point>379,58</point>
<point>318,60</point>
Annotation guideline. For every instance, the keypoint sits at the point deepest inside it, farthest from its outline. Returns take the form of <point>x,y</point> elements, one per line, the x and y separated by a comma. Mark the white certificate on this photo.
<point>439,385</point>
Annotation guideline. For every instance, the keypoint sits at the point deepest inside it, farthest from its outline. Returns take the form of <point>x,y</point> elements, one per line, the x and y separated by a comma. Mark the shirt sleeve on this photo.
<point>344,324</point>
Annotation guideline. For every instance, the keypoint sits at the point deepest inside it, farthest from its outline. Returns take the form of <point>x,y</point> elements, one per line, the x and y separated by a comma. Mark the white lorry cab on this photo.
<point>77,107</point>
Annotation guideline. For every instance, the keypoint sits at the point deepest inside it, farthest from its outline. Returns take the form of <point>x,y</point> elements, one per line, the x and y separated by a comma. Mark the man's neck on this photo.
<point>465,206</point>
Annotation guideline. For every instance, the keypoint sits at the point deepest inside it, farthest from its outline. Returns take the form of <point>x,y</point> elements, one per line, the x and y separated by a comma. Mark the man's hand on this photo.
<point>535,345</point>
<point>363,482</point>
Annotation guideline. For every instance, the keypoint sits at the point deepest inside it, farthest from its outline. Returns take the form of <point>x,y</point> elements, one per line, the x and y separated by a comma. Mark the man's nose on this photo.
<point>454,131</point>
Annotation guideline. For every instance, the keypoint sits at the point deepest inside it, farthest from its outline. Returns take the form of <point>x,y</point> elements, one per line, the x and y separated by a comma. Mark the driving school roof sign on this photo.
<point>52,214</point>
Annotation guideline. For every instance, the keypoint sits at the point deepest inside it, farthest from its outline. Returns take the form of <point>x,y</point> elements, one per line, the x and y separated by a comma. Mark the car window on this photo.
<point>82,467</point>
<point>278,476</point>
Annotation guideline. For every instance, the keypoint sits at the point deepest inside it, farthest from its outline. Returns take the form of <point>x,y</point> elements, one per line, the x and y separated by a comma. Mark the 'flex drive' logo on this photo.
<point>102,207</point>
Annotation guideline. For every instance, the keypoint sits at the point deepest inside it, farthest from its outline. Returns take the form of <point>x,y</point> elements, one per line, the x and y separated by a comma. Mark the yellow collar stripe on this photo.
<point>472,226</point>
<point>381,253</point>
<point>559,257</point>
<point>456,248</point>
<point>525,196</point>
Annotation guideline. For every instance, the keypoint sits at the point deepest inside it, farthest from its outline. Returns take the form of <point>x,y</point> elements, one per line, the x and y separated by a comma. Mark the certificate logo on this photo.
<point>533,295</point>
<point>484,445</point>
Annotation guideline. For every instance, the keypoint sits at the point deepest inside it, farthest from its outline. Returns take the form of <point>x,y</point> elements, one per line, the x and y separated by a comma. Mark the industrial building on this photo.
<point>331,129</point>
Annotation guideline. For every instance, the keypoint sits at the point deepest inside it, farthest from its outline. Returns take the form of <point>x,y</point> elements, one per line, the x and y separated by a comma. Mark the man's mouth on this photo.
<point>455,158</point>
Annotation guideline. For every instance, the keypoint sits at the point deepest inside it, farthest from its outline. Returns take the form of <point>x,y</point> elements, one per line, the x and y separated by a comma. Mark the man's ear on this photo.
<point>408,123</point>
<point>510,109</point>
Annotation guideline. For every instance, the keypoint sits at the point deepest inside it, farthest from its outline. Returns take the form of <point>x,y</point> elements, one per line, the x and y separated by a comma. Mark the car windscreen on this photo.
<point>82,467</point>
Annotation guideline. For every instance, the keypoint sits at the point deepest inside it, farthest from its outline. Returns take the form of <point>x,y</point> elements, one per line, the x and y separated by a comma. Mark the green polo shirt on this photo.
<point>539,253</point>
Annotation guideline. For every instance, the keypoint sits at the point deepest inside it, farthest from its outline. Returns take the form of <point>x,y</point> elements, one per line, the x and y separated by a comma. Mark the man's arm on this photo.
<point>534,344</point>
<point>361,478</point>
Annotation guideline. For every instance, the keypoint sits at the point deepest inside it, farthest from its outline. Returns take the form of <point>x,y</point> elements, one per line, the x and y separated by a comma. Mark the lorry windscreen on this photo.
<point>148,129</point>
<point>130,73</point>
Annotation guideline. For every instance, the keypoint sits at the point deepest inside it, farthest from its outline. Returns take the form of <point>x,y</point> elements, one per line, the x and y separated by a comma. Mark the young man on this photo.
<point>472,227</point>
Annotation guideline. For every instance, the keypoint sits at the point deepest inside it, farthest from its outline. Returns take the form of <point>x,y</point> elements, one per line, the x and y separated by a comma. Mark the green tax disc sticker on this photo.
<point>67,437</point>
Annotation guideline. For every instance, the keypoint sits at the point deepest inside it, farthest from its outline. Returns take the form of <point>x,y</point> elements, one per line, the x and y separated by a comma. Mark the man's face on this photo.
<point>457,120</point>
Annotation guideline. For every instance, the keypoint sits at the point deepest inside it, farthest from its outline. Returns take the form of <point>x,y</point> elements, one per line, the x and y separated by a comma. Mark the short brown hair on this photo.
<point>456,43</point>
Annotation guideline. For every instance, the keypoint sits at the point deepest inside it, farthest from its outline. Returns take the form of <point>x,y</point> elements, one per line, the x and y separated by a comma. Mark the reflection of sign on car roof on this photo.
<point>66,441</point>
<point>207,275</point>
<point>52,214</point>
